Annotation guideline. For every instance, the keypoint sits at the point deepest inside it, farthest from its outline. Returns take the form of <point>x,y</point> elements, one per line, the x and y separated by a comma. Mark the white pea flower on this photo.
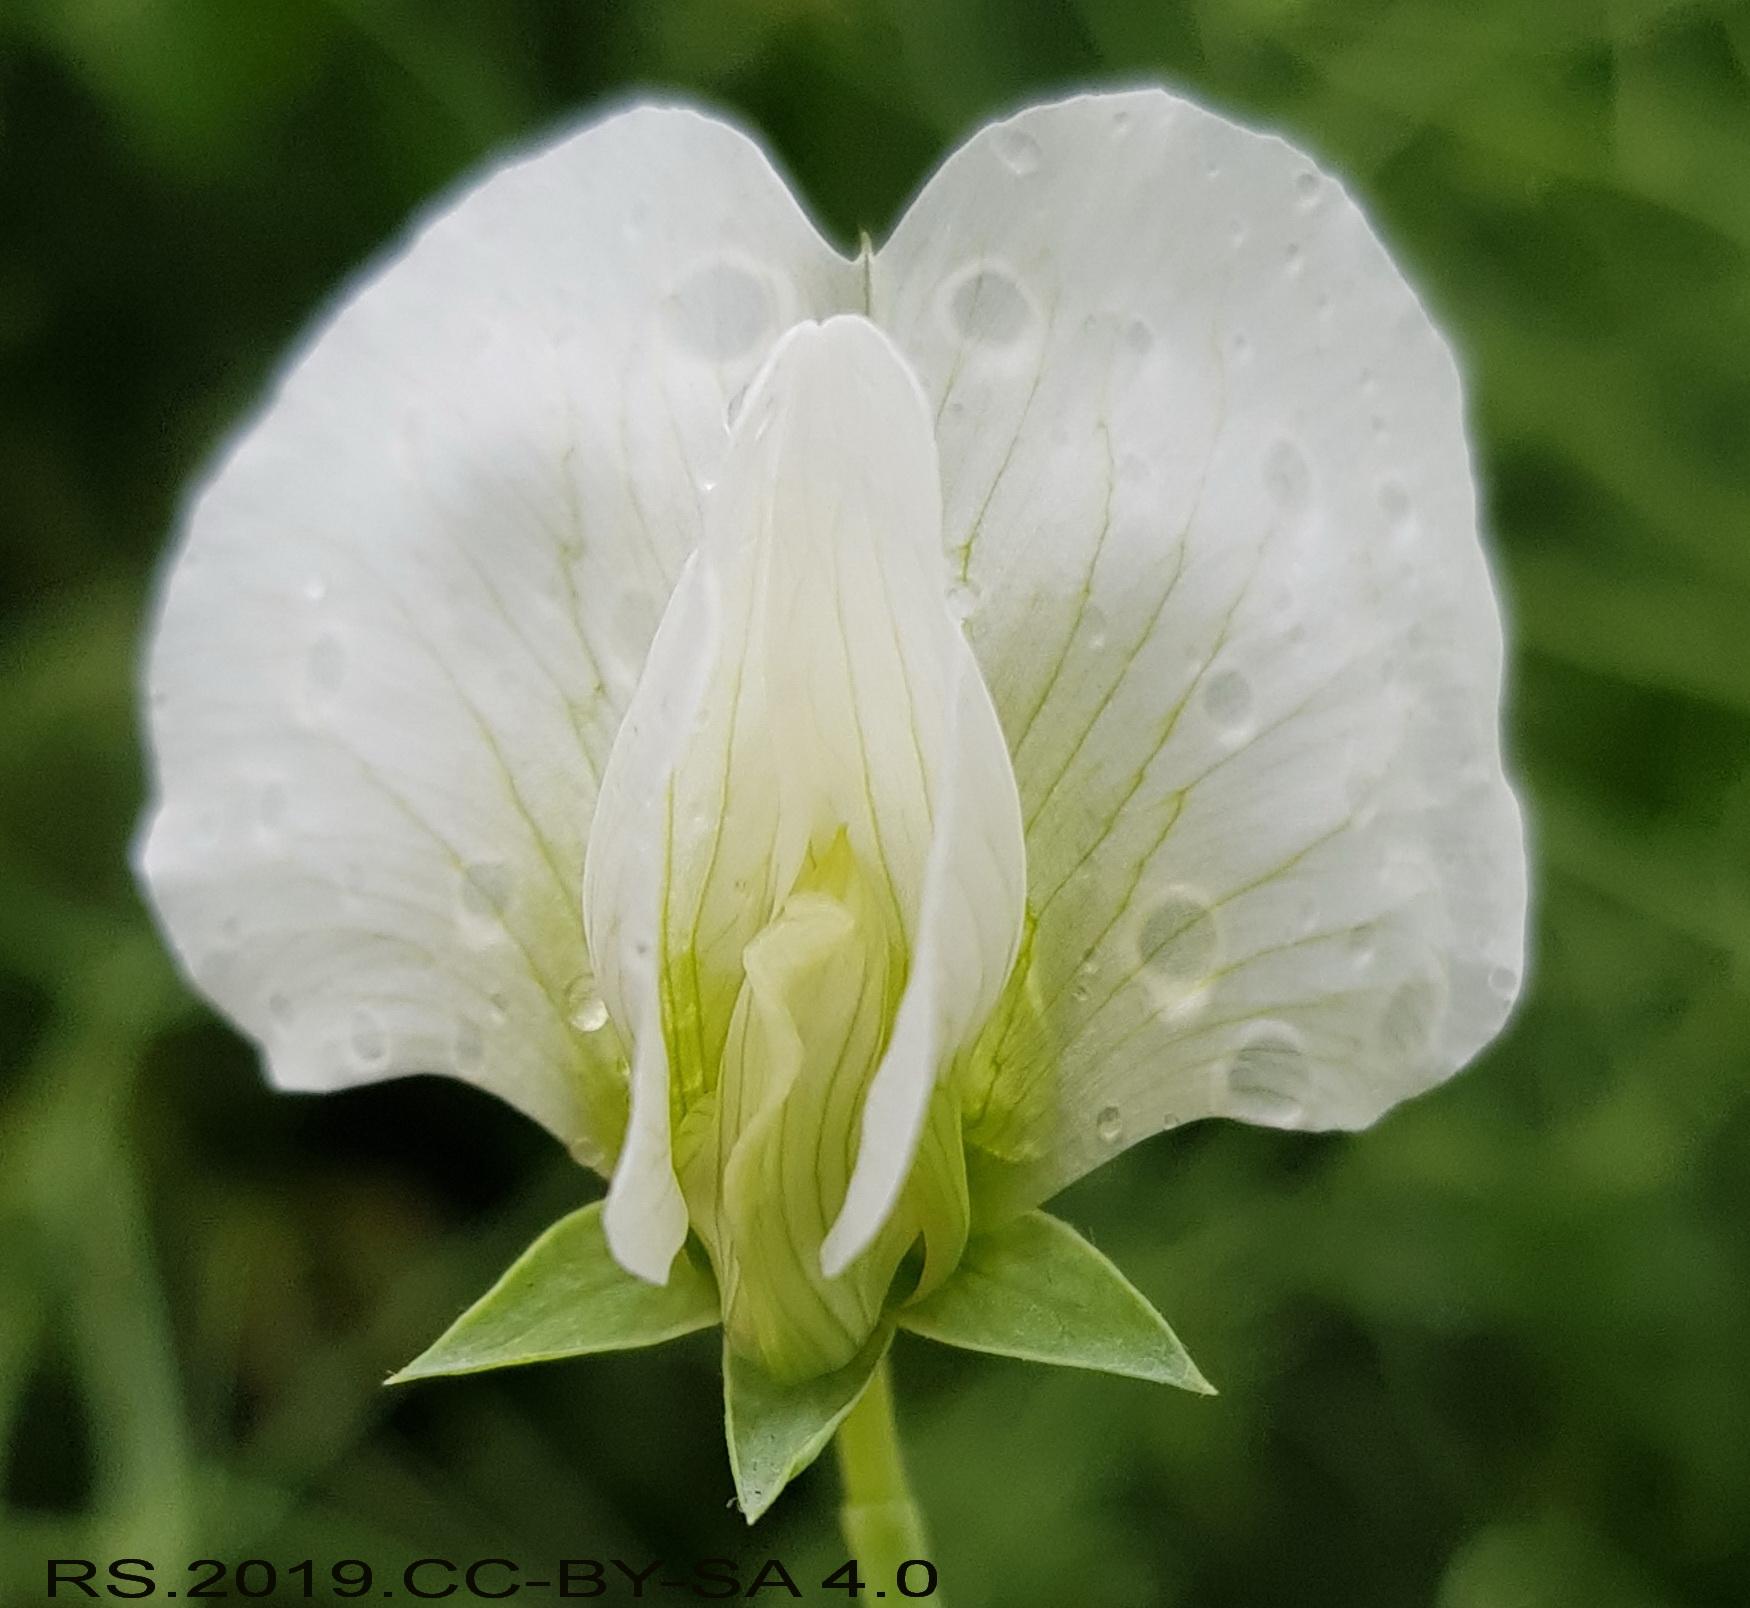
<point>850,744</point>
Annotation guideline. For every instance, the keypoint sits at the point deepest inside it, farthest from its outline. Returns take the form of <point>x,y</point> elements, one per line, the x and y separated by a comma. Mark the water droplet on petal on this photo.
<point>1306,188</point>
<point>369,1043</point>
<point>1504,980</point>
<point>1287,475</point>
<point>1178,942</point>
<point>1227,700</point>
<point>1394,501</point>
<point>483,893</point>
<point>1018,150</point>
<point>1408,1020</point>
<point>325,666</point>
<point>587,1153</point>
<point>1139,335</point>
<point>1267,1076</point>
<point>722,310</point>
<point>1109,1125</point>
<point>469,1047</point>
<point>587,1009</point>
<point>279,1007</point>
<point>986,306</point>
<point>963,600</point>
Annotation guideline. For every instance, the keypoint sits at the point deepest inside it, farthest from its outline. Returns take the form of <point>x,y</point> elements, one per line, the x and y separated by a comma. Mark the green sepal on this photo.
<point>775,1430</point>
<point>566,1296</point>
<point>1035,1289</point>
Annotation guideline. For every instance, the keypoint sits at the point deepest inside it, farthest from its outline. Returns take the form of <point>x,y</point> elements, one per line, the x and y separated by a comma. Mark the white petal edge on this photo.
<point>1205,476</point>
<point>833,688</point>
<point>410,604</point>
<point>969,929</point>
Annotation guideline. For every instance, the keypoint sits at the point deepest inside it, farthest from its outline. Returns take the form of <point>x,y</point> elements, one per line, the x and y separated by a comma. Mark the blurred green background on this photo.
<point>1495,1354</point>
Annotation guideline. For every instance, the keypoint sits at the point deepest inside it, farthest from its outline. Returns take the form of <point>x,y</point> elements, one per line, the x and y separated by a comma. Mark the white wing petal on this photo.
<point>411,604</point>
<point>1208,494</point>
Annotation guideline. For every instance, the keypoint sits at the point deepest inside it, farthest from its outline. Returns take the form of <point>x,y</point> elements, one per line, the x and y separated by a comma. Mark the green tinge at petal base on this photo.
<point>566,1296</point>
<point>1035,1289</point>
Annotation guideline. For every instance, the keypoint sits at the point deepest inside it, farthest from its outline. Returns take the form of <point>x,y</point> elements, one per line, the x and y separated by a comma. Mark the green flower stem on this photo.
<point>881,1520</point>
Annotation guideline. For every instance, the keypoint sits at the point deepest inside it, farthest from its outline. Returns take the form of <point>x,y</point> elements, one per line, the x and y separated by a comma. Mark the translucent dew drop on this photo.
<point>367,1039</point>
<point>1178,942</point>
<point>1093,625</point>
<point>963,600</point>
<point>1407,1023</point>
<point>1228,702</point>
<point>469,1047</point>
<point>1017,150</point>
<point>1287,475</point>
<point>483,893</point>
<point>325,666</point>
<point>1267,1076</point>
<point>987,307</point>
<point>586,1008</point>
<point>484,890</point>
<point>721,310</point>
<point>1394,501</point>
<point>1109,1125</point>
